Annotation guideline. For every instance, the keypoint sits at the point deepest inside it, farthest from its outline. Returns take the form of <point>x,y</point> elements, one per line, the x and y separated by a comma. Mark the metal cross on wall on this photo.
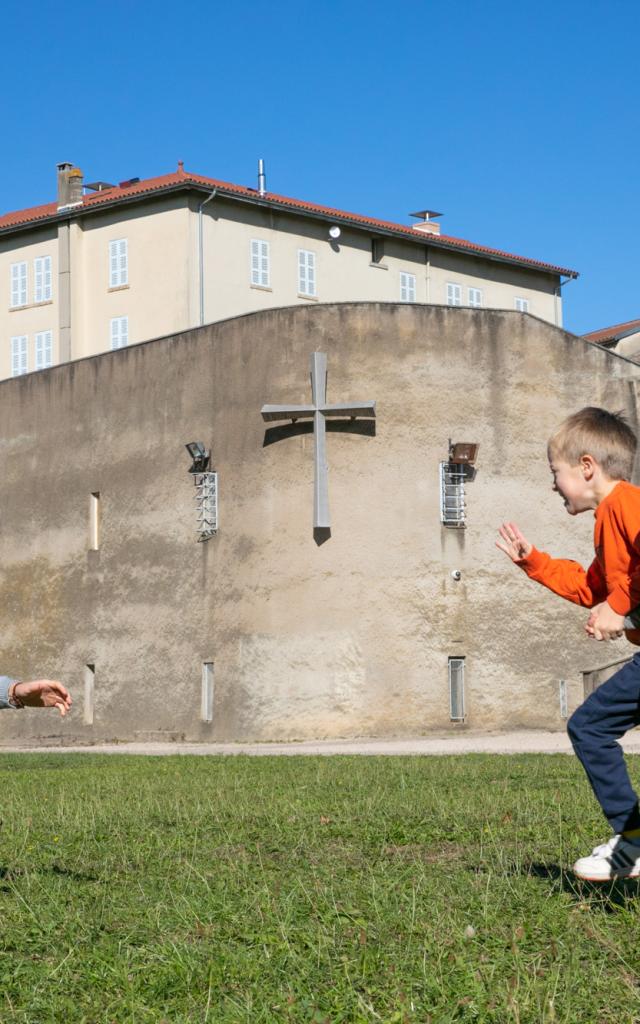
<point>319,411</point>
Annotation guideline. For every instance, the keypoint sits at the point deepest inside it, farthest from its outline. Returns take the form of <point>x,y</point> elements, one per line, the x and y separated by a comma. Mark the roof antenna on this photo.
<point>262,181</point>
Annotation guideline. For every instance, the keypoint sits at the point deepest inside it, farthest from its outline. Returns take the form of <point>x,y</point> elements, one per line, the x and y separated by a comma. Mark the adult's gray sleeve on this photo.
<point>5,683</point>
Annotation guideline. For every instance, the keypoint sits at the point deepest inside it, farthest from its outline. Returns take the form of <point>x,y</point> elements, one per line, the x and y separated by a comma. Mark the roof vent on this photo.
<point>427,223</point>
<point>262,180</point>
<point>98,186</point>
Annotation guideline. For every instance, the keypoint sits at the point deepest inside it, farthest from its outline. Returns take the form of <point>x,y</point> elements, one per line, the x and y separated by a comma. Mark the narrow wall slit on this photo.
<point>206,710</point>
<point>456,689</point>
<point>94,521</point>
<point>89,692</point>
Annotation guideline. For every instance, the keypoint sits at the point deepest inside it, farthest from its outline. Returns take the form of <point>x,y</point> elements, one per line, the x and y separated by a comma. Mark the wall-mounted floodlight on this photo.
<point>334,232</point>
<point>200,456</point>
<point>464,454</point>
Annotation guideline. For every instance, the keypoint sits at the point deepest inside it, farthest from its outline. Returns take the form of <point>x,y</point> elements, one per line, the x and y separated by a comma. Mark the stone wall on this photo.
<point>347,637</point>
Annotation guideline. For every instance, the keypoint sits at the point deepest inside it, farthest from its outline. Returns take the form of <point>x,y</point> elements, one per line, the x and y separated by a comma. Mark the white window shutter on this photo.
<point>47,278</point>
<point>43,350</point>
<point>124,262</point>
<point>18,284</point>
<point>302,277</point>
<point>19,355</point>
<point>39,282</point>
<point>407,287</point>
<point>113,264</point>
<point>311,272</point>
<point>119,332</point>
<point>306,272</point>
<point>118,263</point>
<point>255,261</point>
<point>264,264</point>
<point>260,269</point>
<point>42,278</point>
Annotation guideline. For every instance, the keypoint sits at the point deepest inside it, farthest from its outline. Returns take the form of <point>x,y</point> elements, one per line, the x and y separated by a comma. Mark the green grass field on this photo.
<point>304,889</point>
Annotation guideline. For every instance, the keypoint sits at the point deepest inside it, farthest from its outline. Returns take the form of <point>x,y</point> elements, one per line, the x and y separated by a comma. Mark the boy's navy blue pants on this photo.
<point>594,729</point>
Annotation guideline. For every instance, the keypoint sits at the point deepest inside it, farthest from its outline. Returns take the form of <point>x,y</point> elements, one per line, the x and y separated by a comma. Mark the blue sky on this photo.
<point>519,121</point>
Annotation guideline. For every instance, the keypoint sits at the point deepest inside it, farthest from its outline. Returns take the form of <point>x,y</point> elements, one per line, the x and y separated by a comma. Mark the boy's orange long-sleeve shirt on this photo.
<point>614,574</point>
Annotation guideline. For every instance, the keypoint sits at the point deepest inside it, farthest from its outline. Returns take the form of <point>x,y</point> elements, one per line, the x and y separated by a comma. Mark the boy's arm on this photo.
<point>567,578</point>
<point>561,575</point>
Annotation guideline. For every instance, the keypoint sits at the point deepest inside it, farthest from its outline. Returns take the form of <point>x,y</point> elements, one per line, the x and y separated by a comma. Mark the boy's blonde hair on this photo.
<point>604,435</point>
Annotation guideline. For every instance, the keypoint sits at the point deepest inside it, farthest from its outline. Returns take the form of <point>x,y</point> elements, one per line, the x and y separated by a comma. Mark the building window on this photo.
<point>522,305</point>
<point>377,250</point>
<point>260,271</point>
<point>118,263</point>
<point>18,284</point>
<point>44,348</point>
<point>475,297</point>
<point>306,272</point>
<point>119,331</point>
<point>454,294</point>
<point>19,355</point>
<point>42,268</point>
<point>452,495</point>
<point>456,689</point>
<point>407,287</point>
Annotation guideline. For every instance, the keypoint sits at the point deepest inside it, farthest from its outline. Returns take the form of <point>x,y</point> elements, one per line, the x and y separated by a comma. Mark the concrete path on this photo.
<point>526,742</point>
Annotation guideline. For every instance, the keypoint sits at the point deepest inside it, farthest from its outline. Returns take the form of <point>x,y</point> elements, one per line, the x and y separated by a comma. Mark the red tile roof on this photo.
<point>613,333</point>
<point>183,179</point>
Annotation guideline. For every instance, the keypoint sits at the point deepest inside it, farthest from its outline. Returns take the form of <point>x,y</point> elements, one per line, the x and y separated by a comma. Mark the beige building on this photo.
<point>402,619</point>
<point>107,265</point>
<point>622,338</point>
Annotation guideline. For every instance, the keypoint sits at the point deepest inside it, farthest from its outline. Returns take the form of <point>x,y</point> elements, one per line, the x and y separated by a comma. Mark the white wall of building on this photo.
<point>162,292</point>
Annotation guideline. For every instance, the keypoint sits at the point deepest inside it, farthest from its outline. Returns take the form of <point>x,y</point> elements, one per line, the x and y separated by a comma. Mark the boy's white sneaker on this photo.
<point>616,859</point>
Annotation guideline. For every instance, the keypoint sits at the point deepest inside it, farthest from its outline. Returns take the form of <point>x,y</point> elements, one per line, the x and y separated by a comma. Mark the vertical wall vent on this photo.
<point>206,710</point>
<point>456,689</point>
<point>89,693</point>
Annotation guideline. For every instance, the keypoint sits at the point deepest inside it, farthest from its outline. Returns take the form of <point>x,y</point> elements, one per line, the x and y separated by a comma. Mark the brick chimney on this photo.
<point>69,186</point>
<point>427,224</point>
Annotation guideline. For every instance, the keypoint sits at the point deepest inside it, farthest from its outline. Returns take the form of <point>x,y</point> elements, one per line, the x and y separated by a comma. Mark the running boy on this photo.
<point>591,457</point>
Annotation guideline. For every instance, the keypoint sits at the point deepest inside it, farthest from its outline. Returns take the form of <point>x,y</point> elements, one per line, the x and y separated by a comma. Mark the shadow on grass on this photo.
<point>10,874</point>
<point>609,895</point>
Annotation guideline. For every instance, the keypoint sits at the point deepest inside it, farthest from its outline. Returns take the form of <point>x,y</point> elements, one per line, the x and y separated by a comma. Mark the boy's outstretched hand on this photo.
<point>513,543</point>
<point>43,693</point>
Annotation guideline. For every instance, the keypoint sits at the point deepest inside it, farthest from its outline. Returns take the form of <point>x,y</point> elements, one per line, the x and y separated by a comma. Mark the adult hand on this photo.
<point>43,693</point>
<point>515,545</point>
